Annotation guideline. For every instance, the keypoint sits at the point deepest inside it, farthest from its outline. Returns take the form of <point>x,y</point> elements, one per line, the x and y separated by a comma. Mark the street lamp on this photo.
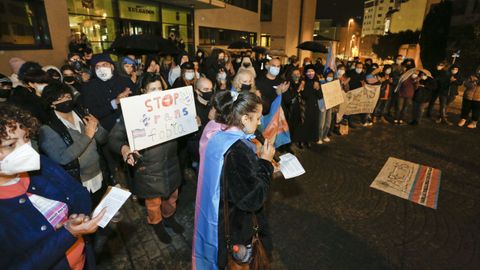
<point>351,21</point>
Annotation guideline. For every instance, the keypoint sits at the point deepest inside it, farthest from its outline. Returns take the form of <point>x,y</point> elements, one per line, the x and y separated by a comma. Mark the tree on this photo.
<point>434,35</point>
<point>387,45</point>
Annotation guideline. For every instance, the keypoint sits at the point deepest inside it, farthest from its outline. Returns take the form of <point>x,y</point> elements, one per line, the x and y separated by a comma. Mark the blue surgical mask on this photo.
<point>274,71</point>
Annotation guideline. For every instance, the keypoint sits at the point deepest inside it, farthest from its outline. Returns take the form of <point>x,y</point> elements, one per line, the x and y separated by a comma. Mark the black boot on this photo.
<point>174,225</point>
<point>162,234</point>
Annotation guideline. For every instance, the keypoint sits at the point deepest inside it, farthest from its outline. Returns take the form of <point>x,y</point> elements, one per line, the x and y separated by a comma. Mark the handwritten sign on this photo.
<point>332,94</point>
<point>159,116</point>
<point>361,100</point>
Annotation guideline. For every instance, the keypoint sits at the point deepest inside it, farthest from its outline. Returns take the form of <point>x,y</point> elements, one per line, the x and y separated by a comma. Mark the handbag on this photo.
<point>259,259</point>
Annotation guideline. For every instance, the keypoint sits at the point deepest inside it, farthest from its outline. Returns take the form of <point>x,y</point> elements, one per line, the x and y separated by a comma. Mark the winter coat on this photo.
<point>248,180</point>
<point>157,173</point>
<point>28,240</point>
<point>472,90</point>
<point>407,88</point>
<point>453,85</point>
<point>424,91</point>
<point>97,97</point>
<point>27,100</point>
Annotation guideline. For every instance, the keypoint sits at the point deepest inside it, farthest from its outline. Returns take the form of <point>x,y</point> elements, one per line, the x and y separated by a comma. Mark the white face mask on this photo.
<point>388,71</point>
<point>424,77</point>
<point>274,71</point>
<point>358,70</point>
<point>222,76</point>
<point>238,60</point>
<point>104,73</point>
<point>189,75</point>
<point>439,67</point>
<point>329,79</point>
<point>454,71</point>
<point>341,72</point>
<point>22,159</point>
<point>40,87</point>
<point>414,75</point>
<point>399,62</point>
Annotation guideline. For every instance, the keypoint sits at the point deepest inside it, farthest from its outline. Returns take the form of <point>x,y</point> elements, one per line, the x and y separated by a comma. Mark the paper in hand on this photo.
<point>290,166</point>
<point>113,201</point>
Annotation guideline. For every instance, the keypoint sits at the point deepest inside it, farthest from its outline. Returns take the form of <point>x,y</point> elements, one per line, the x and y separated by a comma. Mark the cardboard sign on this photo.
<point>159,116</point>
<point>332,94</point>
<point>361,100</point>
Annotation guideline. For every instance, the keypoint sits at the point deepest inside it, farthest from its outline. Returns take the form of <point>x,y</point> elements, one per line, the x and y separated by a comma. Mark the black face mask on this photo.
<point>206,95</point>
<point>65,107</point>
<point>76,65</point>
<point>5,93</point>
<point>246,65</point>
<point>246,87</point>
<point>69,79</point>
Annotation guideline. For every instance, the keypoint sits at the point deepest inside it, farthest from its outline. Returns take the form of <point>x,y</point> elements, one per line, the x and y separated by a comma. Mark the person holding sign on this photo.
<point>44,211</point>
<point>325,115</point>
<point>156,172</point>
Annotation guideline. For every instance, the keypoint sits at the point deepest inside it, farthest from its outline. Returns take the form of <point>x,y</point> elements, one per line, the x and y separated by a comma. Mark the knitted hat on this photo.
<point>101,57</point>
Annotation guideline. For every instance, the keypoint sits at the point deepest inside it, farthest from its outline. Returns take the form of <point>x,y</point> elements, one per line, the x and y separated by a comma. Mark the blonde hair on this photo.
<point>237,84</point>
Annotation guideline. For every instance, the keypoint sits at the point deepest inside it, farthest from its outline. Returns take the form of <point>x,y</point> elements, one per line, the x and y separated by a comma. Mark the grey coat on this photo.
<point>83,148</point>
<point>158,172</point>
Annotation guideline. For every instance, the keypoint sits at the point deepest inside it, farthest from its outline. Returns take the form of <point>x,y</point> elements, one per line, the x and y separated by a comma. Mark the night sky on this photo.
<point>340,10</point>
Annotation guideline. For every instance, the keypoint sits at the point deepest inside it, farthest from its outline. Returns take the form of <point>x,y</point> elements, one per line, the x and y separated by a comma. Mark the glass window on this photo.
<point>99,31</point>
<point>23,25</point>
<point>265,40</point>
<point>266,11</point>
<point>217,36</point>
<point>103,8</point>
<point>177,24</point>
<point>251,5</point>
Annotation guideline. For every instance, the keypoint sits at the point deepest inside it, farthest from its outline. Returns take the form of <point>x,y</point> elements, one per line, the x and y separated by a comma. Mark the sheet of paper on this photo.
<point>113,200</point>
<point>290,166</point>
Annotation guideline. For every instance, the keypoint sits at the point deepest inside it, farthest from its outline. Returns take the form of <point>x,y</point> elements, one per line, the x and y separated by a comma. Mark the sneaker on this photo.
<point>462,122</point>
<point>327,139</point>
<point>438,121</point>
<point>172,223</point>
<point>365,124</point>
<point>320,141</point>
<point>395,122</point>
<point>473,124</point>
<point>400,122</point>
<point>161,233</point>
<point>369,124</point>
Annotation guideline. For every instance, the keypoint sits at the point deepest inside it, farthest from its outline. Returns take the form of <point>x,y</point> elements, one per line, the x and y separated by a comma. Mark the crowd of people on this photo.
<point>72,116</point>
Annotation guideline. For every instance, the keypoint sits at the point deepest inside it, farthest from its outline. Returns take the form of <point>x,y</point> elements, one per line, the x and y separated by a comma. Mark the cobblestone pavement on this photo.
<point>330,218</point>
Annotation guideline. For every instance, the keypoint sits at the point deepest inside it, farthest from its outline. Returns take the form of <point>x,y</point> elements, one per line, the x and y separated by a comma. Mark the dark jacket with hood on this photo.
<point>26,99</point>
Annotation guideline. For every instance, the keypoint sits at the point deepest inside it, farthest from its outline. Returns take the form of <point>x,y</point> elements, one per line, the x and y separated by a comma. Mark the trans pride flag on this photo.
<point>205,235</point>
<point>274,125</point>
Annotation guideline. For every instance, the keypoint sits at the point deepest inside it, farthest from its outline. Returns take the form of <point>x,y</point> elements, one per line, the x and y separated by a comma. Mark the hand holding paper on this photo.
<point>112,201</point>
<point>290,166</point>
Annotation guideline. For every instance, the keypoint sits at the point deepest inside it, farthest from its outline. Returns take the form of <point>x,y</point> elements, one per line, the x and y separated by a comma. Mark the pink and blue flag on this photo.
<point>274,125</point>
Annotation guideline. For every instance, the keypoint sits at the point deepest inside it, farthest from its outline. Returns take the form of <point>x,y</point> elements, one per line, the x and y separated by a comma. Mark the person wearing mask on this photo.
<point>246,64</point>
<point>357,78</point>
<point>471,102</point>
<point>406,91</point>
<point>244,82</point>
<point>307,61</point>
<point>102,94</point>
<point>307,131</point>
<point>241,191</point>
<point>5,88</point>
<point>448,93</point>
<point>222,82</point>
<point>293,63</point>
<point>319,67</point>
<point>156,172</point>
<point>74,60</point>
<point>70,79</point>
<point>72,138</point>
<point>27,95</point>
<point>53,72</point>
<point>44,211</point>
<point>440,75</point>
<point>214,63</point>
<point>85,75</point>
<point>87,56</point>
<point>386,92</point>
<point>291,101</point>
<point>200,59</point>
<point>325,118</point>
<point>187,76</point>
<point>271,85</point>
<point>15,64</point>
<point>176,70</point>
<point>127,68</point>
<point>343,78</point>
<point>153,67</point>
<point>423,94</point>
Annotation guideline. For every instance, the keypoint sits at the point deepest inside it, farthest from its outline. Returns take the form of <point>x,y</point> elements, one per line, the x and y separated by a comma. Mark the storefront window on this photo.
<point>177,24</point>
<point>102,8</point>
<point>217,36</point>
<point>23,25</point>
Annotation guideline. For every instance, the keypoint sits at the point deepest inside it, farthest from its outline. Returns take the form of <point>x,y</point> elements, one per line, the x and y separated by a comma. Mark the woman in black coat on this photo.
<point>156,172</point>
<point>307,130</point>
<point>421,98</point>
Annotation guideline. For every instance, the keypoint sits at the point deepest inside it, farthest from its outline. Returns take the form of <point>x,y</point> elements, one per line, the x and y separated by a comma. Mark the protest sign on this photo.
<point>361,100</point>
<point>159,116</point>
<point>332,94</point>
<point>411,181</point>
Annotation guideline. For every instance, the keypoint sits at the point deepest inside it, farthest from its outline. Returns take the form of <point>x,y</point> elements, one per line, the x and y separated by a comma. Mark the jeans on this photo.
<point>402,104</point>
<point>470,106</point>
<point>445,102</point>
<point>392,103</point>
<point>380,108</point>
<point>324,123</point>
<point>431,104</point>
<point>418,111</point>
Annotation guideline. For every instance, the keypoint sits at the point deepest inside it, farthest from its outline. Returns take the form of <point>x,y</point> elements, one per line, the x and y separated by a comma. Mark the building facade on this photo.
<point>40,30</point>
<point>374,15</point>
<point>410,15</point>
